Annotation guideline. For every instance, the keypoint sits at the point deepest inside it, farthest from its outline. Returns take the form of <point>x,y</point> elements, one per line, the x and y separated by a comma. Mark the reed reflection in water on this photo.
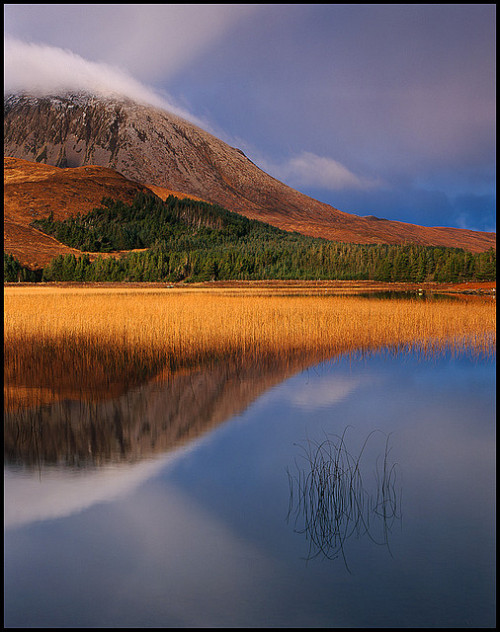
<point>330,502</point>
<point>111,375</point>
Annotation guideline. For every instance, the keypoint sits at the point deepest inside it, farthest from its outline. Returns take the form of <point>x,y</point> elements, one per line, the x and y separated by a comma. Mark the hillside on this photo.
<point>151,146</point>
<point>34,191</point>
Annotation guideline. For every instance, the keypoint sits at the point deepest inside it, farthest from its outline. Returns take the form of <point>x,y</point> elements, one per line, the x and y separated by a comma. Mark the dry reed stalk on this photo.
<point>189,323</point>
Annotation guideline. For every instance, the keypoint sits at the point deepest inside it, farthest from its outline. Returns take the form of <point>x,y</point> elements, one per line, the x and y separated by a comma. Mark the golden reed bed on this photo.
<point>79,339</point>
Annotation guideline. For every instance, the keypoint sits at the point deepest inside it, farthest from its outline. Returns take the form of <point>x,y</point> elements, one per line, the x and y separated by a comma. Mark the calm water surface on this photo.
<point>228,529</point>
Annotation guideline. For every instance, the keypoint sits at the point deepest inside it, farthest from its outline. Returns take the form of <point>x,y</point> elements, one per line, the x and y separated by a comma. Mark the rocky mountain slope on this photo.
<point>155,148</point>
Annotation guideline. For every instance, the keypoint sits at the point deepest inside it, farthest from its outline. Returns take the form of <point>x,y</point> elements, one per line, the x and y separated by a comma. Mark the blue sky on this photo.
<point>386,110</point>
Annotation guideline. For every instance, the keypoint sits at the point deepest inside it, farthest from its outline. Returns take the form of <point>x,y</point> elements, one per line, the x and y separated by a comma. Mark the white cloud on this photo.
<point>40,69</point>
<point>310,170</point>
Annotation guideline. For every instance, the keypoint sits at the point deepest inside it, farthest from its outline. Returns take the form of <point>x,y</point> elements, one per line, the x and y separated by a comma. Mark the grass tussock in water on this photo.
<point>329,502</point>
<point>120,336</point>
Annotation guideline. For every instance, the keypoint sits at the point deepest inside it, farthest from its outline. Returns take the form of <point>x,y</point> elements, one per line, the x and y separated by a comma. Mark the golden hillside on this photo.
<point>33,190</point>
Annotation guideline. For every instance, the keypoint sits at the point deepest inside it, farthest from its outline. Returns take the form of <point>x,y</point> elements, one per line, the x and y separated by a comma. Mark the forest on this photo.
<point>187,240</point>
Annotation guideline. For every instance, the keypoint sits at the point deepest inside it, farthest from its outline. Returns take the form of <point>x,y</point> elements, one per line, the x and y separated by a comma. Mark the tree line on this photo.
<point>187,240</point>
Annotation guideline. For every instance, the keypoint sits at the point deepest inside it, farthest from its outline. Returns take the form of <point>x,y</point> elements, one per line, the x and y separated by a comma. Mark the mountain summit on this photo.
<point>158,149</point>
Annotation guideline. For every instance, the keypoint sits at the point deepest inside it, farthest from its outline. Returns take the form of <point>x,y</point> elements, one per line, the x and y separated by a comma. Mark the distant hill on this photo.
<point>151,147</point>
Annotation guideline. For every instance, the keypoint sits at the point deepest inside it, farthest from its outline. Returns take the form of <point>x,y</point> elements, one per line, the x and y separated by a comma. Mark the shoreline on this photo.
<point>355,287</point>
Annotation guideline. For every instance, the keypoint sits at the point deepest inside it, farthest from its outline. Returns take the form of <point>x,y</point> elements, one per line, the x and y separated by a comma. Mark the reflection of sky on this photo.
<point>161,552</point>
<point>439,416</point>
<point>204,541</point>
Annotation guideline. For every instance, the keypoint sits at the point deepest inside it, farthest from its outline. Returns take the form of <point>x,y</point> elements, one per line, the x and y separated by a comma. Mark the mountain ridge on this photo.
<point>148,145</point>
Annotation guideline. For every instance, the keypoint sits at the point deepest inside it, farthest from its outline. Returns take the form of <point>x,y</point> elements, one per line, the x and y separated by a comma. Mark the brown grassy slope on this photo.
<point>33,190</point>
<point>163,193</point>
<point>382,231</point>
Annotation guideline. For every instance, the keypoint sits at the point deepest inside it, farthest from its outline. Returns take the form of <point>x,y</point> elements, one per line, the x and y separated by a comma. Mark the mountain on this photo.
<point>153,147</point>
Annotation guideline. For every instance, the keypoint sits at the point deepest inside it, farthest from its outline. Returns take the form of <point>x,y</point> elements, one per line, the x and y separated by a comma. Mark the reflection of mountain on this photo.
<point>143,421</point>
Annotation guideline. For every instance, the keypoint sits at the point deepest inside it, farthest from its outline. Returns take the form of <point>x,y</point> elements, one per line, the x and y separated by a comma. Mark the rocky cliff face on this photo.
<point>154,147</point>
<point>141,142</point>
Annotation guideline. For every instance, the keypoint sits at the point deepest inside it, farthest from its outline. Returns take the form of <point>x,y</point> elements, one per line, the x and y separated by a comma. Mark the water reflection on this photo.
<point>147,420</point>
<point>196,536</point>
<point>59,418</point>
<point>330,501</point>
<point>51,492</point>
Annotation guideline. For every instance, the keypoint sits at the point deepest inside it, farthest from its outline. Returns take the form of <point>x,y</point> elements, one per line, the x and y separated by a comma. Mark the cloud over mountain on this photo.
<point>152,41</point>
<point>395,103</point>
<point>43,70</point>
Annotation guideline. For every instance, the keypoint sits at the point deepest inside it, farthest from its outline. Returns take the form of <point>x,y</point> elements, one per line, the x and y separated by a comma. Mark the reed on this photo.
<point>189,321</point>
<point>108,335</point>
<point>329,501</point>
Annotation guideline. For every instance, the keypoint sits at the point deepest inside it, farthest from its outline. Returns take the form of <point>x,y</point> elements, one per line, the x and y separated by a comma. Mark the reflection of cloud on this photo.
<point>187,566</point>
<point>54,493</point>
<point>324,392</point>
<point>192,556</point>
